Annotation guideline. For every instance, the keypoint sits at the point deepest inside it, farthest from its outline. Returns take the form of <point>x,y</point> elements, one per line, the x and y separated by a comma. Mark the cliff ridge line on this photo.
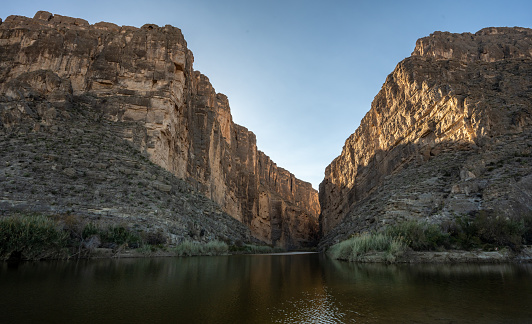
<point>449,128</point>
<point>142,79</point>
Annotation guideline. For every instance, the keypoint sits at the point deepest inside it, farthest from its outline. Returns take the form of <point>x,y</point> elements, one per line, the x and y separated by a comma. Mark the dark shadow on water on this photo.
<point>308,288</point>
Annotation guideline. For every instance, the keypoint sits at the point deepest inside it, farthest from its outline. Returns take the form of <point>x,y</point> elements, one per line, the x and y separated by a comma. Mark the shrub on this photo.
<point>484,228</point>
<point>358,246</point>
<point>145,249</point>
<point>255,249</point>
<point>90,229</point>
<point>419,236</point>
<point>500,230</point>
<point>31,238</point>
<point>120,235</point>
<point>155,238</point>
<point>463,233</point>
<point>70,223</point>
<point>216,248</point>
<point>190,248</point>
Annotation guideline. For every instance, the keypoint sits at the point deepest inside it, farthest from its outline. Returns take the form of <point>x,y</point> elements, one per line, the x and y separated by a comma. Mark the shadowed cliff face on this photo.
<point>448,134</point>
<point>143,80</point>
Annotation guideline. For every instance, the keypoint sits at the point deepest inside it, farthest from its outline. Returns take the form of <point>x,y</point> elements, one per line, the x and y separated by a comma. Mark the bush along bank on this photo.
<point>40,237</point>
<point>242,248</point>
<point>364,247</point>
<point>32,238</point>
<point>482,236</point>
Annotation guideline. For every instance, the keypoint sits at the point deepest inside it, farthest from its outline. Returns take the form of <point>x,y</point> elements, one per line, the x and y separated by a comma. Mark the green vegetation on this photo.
<point>419,236</point>
<point>357,247</point>
<point>486,230</point>
<point>254,249</point>
<point>31,238</point>
<point>189,248</point>
<point>157,238</point>
<point>481,230</point>
<point>147,249</point>
<point>120,235</point>
<point>90,229</point>
<point>36,237</point>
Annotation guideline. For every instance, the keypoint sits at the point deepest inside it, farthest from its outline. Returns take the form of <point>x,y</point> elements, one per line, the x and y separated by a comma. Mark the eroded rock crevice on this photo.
<point>143,81</point>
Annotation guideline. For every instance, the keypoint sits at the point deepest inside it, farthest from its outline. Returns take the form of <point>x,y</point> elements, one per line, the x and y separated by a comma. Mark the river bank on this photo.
<point>409,257</point>
<point>42,237</point>
<point>32,238</point>
<point>102,253</point>
<point>451,256</point>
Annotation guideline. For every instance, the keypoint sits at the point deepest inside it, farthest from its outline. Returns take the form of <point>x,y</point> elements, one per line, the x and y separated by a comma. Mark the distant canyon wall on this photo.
<point>143,79</point>
<point>448,134</point>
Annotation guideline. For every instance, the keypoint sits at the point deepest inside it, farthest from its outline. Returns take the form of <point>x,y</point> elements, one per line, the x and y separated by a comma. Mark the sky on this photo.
<point>299,74</point>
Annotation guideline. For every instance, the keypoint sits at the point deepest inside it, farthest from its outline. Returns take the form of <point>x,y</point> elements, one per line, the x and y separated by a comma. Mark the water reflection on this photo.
<point>262,289</point>
<point>460,293</point>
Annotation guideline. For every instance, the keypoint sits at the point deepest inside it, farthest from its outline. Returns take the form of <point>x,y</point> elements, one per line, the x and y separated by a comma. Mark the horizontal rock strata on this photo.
<point>142,79</point>
<point>449,134</point>
<point>83,171</point>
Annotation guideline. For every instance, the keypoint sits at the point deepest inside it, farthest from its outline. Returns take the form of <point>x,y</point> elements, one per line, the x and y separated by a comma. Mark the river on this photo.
<point>301,288</point>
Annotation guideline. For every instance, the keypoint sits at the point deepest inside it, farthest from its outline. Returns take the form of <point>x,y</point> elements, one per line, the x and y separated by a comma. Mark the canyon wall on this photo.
<point>448,134</point>
<point>142,80</point>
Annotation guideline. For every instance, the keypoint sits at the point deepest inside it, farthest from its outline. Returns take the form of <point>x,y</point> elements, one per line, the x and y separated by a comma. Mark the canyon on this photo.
<point>112,122</point>
<point>448,135</point>
<point>64,76</point>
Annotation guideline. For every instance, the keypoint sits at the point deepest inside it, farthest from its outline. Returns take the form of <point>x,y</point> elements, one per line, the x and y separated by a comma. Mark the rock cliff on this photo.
<point>141,80</point>
<point>448,134</point>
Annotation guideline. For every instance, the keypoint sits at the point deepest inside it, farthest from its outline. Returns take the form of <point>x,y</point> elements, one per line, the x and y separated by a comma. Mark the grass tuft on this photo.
<point>419,236</point>
<point>190,248</point>
<point>255,249</point>
<point>482,229</point>
<point>31,238</point>
<point>356,247</point>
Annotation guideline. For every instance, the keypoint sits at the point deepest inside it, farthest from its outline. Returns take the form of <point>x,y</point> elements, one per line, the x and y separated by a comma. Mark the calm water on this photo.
<point>262,289</point>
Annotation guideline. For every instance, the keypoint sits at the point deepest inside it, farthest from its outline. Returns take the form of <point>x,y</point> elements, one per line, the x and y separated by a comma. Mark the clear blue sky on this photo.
<point>299,74</point>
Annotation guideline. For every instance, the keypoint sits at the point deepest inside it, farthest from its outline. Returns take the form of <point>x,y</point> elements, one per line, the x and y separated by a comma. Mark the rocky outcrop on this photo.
<point>80,170</point>
<point>449,134</point>
<point>142,79</point>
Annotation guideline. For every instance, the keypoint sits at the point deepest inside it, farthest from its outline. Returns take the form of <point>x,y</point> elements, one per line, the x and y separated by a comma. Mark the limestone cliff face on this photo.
<point>143,79</point>
<point>448,134</point>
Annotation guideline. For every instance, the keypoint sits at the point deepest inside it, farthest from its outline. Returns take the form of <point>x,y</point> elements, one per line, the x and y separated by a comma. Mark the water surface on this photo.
<point>307,288</point>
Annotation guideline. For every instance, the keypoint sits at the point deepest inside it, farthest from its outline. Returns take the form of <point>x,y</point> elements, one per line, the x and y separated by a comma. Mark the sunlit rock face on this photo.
<point>448,134</point>
<point>143,80</point>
